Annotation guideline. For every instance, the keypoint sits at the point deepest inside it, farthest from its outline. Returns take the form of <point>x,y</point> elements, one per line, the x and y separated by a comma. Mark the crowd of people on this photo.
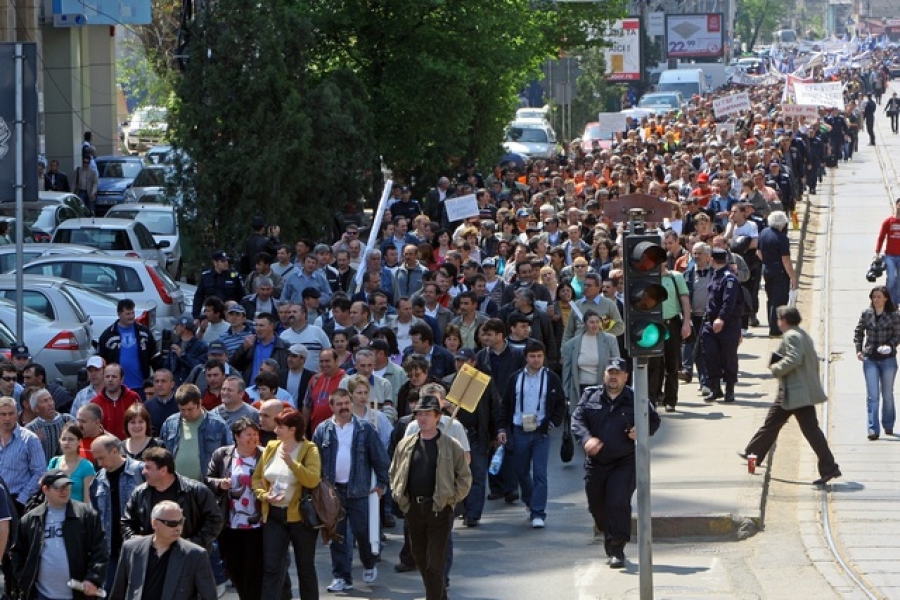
<point>333,360</point>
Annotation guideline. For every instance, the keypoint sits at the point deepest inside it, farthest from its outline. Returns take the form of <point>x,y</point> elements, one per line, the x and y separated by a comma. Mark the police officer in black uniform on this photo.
<point>816,158</point>
<point>221,281</point>
<point>603,422</point>
<point>722,330</point>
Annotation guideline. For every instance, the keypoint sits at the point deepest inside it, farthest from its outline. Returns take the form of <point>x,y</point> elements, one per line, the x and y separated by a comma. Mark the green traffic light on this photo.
<point>649,336</point>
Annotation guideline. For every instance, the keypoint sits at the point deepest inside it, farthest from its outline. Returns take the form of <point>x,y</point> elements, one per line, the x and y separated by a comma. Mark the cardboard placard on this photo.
<point>468,387</point>
<point>461,208</point>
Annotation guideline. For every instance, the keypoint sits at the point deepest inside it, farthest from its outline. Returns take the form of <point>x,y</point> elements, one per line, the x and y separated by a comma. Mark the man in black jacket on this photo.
<point>128,343</point>
<point>603,423</point>
<point>202,519</point>
<point>59,530</point>
<point>266,343</point>
<point>534,403</point>
<point>500,360</point>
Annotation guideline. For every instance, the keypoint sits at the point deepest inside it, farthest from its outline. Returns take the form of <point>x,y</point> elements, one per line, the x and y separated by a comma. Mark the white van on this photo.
<point>690,82</point>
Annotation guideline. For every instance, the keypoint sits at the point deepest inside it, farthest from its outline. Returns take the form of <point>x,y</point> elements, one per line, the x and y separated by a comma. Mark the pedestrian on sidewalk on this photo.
<point>778,270</point>
<point>876,337</point>
<point>892,110</point>
<point>796,366</point>
<point>869,116</point>
<point>889,239</point>
<point>721,333</point>
<point>604,424</point>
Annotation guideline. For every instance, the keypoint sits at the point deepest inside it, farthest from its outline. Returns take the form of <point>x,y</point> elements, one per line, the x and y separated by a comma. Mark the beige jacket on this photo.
<point>453,478</point>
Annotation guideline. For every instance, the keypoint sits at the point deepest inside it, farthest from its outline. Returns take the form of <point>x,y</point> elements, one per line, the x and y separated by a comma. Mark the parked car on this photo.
<point>533,138</point>
<point>61,347</point>
<point>162,222</point>
<point>120,277</point>
<point>63,300</point>
<point>116,175</point>
<point>31,251</point>
<point>119,237</point>
<point>151,181</point>
<point>147,127</point>
<point>41,217</point>
<point>27,233</point>
<point>591,136</point>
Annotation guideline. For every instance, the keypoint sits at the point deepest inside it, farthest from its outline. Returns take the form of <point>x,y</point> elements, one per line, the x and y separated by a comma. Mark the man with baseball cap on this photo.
<point>94,367</point>
<point>221,281</point>
<point>20,357</point>
<point>58,541</point>
<point>604,422</point>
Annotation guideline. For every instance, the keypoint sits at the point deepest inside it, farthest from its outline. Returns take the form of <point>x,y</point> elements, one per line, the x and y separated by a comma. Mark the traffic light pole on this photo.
<point>642,452</point>
<point>642,467</point>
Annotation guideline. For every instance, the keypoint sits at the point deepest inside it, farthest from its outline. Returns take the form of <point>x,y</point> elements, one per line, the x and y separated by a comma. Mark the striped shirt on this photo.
<point>49,431</point>
<point>22,463</point>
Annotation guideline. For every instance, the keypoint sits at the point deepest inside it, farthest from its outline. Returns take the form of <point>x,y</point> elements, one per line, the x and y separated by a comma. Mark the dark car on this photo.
<point>117,173</point>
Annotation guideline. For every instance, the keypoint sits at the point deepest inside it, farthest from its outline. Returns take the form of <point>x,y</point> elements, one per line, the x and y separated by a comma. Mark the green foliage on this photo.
<point>757,19</point>
<point>265,136</point>
<point>593,94</point>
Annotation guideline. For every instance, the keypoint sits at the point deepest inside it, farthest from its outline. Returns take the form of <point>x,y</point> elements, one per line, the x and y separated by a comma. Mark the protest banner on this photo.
<point>731,104</point>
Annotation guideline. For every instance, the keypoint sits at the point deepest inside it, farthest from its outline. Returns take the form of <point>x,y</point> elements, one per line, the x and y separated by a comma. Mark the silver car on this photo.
<point>63,300</point>
<point>61,347</point>
<point>120,277</point>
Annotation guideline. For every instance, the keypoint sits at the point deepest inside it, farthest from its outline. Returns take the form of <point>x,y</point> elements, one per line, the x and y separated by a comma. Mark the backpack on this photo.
<point>322,509</point>
<point>13,514</point>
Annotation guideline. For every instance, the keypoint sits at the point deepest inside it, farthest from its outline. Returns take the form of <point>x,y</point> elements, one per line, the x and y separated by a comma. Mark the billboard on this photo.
<point>623,55</point>
<point>8,139</point>
<point>74,13</point>
<point>695,36</point>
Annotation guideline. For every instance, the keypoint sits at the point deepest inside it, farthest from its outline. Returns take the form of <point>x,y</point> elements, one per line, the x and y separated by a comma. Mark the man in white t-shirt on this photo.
<point>301,332</point>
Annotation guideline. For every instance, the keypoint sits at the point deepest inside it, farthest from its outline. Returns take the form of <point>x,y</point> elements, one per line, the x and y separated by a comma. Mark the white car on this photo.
<point>533,138</point>
<point>162,222</point>
<point>147,127</point>
<point>120,277</point>
<point>119,237</point>
<point>35,250</point>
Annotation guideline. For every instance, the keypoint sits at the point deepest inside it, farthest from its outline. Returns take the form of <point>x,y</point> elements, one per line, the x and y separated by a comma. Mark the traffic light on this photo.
<point>645,331</point>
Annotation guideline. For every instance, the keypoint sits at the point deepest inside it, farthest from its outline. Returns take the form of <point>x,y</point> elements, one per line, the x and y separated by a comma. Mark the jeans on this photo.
<point>357,510</point>
<point>880,374</point>
<point>429,534</point>
<point>474,502</point>
<point>278,534</point>
<point>532,454</point>
<point>892,262</point>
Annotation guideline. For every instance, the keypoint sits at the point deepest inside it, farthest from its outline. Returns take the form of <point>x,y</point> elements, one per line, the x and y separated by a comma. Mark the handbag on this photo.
<point>567,449</point>
<point>308,509</point>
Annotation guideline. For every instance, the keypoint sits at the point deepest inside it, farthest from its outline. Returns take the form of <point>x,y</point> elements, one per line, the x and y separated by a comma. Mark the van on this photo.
<point>690,82</point>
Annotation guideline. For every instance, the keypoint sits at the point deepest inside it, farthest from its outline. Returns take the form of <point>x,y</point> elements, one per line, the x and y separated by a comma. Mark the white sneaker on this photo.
<point>220,590</point>
<point>537,523</point>
<point>339,585</point>
<point>369,575</point>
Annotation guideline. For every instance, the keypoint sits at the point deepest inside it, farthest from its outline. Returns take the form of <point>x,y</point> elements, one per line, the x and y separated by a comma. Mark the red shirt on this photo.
<point>114,410</point>
<point>890,229</point>
<point>318,397</point>
<point>210,400</point>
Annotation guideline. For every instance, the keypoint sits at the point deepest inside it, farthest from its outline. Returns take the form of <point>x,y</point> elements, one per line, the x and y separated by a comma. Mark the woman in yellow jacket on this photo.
<point>288,465</point>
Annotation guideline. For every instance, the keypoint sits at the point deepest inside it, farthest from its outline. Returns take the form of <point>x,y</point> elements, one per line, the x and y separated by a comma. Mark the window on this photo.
<point>145,240</point>
<point>103,239</point>
<point>50,269</point>
<point>33,300</point>
<point>102,278</point>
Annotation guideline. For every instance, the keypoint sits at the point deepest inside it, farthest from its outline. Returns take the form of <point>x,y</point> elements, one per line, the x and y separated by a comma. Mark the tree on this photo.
<point>758,16</point>
<point>265,132</point>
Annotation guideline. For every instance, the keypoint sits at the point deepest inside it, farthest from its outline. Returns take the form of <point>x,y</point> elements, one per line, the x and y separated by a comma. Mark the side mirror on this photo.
<point>164,244</point>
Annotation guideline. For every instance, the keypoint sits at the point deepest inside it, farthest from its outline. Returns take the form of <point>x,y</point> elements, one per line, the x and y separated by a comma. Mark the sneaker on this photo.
<point>370,575</point>
<point>617,562</point>
<point>339,585</point>
<point>537,523</point>
<point>220,590</point>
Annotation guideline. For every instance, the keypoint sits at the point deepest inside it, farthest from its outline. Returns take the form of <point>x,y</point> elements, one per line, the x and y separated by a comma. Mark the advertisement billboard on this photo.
<point>623,55</point>
<point>8,140</point>
<point>695,36</point>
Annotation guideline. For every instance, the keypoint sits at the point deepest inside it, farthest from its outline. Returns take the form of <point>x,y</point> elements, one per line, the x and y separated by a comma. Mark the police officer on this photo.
<point>816,158</point>
<point>221,281</point>
<point>722,330</point>
<point>603,423</point>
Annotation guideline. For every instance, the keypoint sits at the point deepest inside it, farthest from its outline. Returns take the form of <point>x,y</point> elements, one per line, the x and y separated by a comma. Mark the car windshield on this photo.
<point>526,135</point>
<point>661,100</point>
<point>150,178</point>
<point>101,239</point>
<point>119,168</point>
<point>158,222</point>
<point>592,132</point>
<point>83,293</point>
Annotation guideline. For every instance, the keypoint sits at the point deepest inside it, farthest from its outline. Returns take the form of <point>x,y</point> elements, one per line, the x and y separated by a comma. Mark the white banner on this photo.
<point>461,208</point>
<point>829,94</point>
<point>726,128</point>
<point>611,123</point>
<point>731,104</point>
<point>623,55</point>
<point>800,110</point>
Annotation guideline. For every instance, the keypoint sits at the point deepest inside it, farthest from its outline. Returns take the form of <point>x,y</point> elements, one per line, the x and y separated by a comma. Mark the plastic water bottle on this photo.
<point>496,461</point>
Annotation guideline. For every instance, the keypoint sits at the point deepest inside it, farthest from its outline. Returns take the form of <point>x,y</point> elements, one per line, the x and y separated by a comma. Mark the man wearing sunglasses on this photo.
<point>164,565</point>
